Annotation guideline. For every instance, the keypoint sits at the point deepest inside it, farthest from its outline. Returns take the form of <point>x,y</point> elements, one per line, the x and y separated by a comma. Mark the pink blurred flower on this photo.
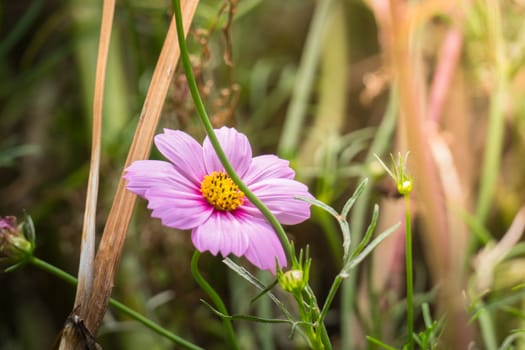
<point>193,191</point>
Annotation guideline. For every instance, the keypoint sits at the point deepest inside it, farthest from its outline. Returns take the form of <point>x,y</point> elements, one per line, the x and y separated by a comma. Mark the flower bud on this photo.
<point>403,180</point>
<point>405,187</point>
<point>15,245</point>
<point>296,279</point>
<point>293,281</point>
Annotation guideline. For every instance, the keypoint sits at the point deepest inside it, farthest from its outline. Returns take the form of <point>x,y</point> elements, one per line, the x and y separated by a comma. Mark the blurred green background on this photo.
<point>47,68</point>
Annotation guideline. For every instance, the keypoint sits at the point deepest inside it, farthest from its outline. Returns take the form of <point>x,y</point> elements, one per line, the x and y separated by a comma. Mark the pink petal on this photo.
<point>221,233</point>
<point>264,247</point>
<point>279,196</point>
<point>178,209</point>
<point>145,174</point>
<point>236,147</point>
<point>268,166</point>
<point>184,152</point>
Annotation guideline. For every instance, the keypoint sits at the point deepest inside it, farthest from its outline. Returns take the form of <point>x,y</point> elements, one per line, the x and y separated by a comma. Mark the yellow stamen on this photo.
<point>221,192</point>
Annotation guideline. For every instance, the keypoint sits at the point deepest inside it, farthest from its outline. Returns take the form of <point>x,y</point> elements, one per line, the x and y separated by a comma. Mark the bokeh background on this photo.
<point>441,79</point>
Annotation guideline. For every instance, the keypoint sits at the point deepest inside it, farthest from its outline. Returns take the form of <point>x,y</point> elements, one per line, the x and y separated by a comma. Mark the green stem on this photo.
<point>348,297</point>
<point>199,105</point>
<point>315,331</point>
<point>322,332</point>
<point>41,264</point>
<point>325,339</point>
<point>214,297</point>
<point>487,329</point>
<point>306,317</point>
<point>409,274</point>
<point>331,295</point>
<point>359,212</point>
<point>152,325</point>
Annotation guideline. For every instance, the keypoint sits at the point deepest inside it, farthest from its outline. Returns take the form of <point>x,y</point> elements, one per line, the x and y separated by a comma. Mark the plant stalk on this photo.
<point>409,274</point>
<point>215,297</point>
<point>43,265</point>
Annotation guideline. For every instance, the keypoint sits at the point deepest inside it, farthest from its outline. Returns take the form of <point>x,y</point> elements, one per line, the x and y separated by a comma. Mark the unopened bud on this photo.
<point>405,187</point>
<point>15,246</point>
<point>293,281</point>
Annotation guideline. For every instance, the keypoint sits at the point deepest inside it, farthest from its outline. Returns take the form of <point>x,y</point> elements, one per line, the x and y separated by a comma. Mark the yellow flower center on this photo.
<point>221,192</point>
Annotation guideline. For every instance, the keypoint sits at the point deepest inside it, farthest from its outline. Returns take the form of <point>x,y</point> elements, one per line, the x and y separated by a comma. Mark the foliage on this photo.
<point>325,84</point>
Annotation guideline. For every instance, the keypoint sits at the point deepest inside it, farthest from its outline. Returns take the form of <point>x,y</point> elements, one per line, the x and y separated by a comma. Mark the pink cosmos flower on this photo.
<point>193,191</point>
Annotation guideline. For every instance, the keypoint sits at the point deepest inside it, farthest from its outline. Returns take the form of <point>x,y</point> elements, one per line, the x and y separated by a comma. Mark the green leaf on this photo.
<point>380,343</point>
<point>242,272</point>
<point>320,204</point>
<point>355,261</point>
<point>369,232</point>
<point>29,229</point>
<point>351,201</point>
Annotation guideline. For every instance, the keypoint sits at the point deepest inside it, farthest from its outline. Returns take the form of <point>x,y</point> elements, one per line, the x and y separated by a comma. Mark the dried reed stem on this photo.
<point>109,252</point>
<point>87,252</point>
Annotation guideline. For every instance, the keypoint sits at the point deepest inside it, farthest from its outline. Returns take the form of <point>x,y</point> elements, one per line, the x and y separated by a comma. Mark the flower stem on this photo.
<point>41,264</point>
<point>199,105</point>
<point>409,273</point>
<point>44,265</point>
<point>486,325</point>
<point>378,147</point>
<point>331,295</point>
<point>215,297</point>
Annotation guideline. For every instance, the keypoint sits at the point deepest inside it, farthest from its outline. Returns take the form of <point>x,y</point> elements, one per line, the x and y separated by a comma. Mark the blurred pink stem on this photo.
<point>446,66</point>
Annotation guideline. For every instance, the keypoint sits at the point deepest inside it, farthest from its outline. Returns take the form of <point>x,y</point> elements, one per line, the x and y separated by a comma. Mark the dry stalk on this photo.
<point>96,279</point>
<point>109,251</point>
<point>87,252</point>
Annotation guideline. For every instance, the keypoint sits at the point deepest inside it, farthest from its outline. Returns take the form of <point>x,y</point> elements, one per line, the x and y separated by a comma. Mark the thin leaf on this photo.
<point>350,202</point>
<point>355,261</point>
<point>320,204</point>
<point>248,317</point>
<point>347,238</point>
<point>427,317</point>
<point>345,228</point>
<point>291,322</point>
<point>29,229</point>
<point>264,291</point>
<point>384,166</point>
<point>242,272</point>
<point>15,267</point>
<point>369,232</point>
<point>342,219</point>
<point>380,343</point>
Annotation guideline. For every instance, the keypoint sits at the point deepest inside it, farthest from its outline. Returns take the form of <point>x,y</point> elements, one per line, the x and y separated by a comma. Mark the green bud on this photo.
<point>293,281</point>
<point>399,173</point>
<point>15,247</point>
<point>404,187</point>
<point>296,279</point>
